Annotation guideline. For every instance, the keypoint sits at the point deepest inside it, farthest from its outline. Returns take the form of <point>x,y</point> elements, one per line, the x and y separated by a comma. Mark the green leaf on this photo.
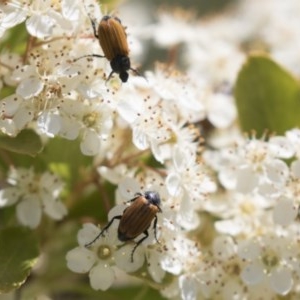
<point>91,204</point>
<point>6,91</point>
<point>15,39</point>
<point>18,253</point>
<point>82,290</point>
<point>65,158</point>
<point>267,97</point>
<point>26,142</point>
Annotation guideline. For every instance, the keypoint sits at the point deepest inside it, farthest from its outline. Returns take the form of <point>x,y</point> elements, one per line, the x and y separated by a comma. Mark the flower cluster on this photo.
<point>230,206</point>
<point>33,194</point>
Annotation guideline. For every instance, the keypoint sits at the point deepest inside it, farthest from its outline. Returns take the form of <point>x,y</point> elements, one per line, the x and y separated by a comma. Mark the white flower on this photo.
<point>33,194</point>
<point>253,166</point>
<point>182,253</point>
<point>12,14</point>
<point>150,129</point>
<point>240,214</point>
<point>187,182</point>
<point>98,259</point>
<point>43,20</point>
<point>268,263</point>
<point>220,274</point>
<point>17,112</point>
<point>92,120</point>
<point>180,97</point>
<point>102,255</point>
<point>183,259</point>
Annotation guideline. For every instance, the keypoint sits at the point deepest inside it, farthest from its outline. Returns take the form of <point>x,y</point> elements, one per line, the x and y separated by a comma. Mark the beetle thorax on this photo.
<point>120,63</point>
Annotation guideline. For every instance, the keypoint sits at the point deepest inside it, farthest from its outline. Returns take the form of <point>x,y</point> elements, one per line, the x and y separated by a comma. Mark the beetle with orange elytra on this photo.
<point>136,219</point>
<point>113,41</point>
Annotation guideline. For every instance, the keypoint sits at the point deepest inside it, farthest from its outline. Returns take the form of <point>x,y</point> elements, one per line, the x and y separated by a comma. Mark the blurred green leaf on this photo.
<point>267,96</point>
<point>7,216</point>
<point>91,204</point>
<point>18,253</point>
<point>65,158</point>
<point>26,142</point>
<point>15,39</point>
<point>6,91</point>
<point>84,291</point>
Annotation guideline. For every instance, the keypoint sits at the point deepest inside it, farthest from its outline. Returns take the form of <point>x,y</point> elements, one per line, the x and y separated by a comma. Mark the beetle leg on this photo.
<point>138,243</point>
<point>102,231</point>
<point>154,227</point>
<point>109,76</point>
<point>94,28</point>
<point>135,197</point>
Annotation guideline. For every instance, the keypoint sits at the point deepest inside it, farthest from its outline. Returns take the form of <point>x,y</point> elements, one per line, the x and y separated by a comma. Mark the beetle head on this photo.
<point>153,198</point>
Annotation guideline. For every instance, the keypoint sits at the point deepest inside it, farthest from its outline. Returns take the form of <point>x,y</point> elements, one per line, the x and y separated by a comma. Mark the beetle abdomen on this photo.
<point>112,38</point>
<point>136,219</point>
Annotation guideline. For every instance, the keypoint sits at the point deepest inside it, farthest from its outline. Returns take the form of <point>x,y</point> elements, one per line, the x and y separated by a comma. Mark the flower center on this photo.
<point>270,259</point>
<point>90,119</point>
<point>232,268</point>
<point>104,252</point>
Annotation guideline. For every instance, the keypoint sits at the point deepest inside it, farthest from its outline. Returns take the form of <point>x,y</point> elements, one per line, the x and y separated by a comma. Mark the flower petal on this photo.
<point>123,258</point>
<point>80,259</point>
<point>252,274</point>
<point>40,26</point>
<point>54,208</point>
<point>90,143</point>
<point>284,212</point>
<point>22,117</point>
<point>173,183</point>
<point>188,287</point>
<point>295,168</point>
<point>9,196</point>
<point>87,233</point>
<point>29,212</point>
<point>101,277</point>
<point>247,180</point>
<point>30,87</point>
<point>49,123</point>
<point>281,281</point>
<point>154,268</point>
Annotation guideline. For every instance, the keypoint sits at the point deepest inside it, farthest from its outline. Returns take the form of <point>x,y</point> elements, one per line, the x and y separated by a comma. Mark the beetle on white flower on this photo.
<point>102,256</point>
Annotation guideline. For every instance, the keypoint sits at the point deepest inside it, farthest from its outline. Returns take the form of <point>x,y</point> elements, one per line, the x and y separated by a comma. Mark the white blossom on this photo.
<point>33,194</point>
<point>228,226</point>
<point>96,260</point>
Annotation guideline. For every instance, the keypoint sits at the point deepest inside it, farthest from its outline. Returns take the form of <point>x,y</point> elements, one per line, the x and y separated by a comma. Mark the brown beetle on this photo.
<point>136,219</point>
<point>113,41</point>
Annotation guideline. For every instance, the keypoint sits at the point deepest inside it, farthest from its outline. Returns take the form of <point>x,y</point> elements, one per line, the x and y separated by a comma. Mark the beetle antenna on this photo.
<point>138,73</point>
<point>89,55</point>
